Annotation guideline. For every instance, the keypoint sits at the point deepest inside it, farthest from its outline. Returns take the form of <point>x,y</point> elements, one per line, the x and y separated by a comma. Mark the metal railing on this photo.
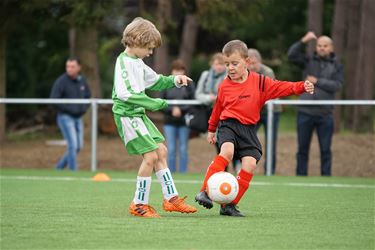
<point>94,115</point>
<point>270,105</point>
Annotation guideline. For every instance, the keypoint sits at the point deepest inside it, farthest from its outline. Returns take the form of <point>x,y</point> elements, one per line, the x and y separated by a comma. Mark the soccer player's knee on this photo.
<point>227,155</point>
<point>162,151</point>
<point>227,151</point>
<point>151,159</point>
<point>249,166</point>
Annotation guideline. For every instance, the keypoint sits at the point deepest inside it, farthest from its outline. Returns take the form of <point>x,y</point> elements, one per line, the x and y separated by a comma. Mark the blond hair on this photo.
<point>141,33</point>
<point>235,46</point>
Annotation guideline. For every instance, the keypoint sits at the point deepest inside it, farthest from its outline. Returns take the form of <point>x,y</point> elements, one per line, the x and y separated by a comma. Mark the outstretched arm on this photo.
<point>296,54</point>
<point>275,88</point>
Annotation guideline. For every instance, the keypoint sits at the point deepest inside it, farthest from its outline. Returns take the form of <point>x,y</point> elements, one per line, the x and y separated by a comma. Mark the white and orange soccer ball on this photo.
<point>222,187</point>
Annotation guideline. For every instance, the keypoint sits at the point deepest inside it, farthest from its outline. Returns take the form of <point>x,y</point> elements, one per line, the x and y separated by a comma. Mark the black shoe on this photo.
<point>230,210</point>
<point>203,200</point>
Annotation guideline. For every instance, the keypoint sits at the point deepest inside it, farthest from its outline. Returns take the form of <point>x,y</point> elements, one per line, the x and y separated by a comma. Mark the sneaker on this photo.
<point>177,204</point>
<point>230,210</point>
<point>143,210</point>
<point>203,200</point>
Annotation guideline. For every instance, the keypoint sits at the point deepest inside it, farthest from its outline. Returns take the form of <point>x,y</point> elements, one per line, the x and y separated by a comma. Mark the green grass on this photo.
<point>54,213</point>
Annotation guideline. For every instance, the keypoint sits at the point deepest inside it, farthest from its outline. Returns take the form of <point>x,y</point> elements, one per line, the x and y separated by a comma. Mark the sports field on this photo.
<point>45,209</point>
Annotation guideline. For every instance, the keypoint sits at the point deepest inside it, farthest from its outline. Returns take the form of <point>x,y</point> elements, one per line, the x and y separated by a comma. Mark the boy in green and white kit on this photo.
<point>140,135</point>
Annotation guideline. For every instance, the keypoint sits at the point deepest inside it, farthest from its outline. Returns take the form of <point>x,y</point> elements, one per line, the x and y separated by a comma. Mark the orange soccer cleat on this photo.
<point>177,204</point>
<point>143,210</point>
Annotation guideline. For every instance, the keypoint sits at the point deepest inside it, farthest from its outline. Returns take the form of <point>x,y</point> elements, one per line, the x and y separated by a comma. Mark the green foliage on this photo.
<point>220,16</point>
<point>107,58</point>
<point>198,65</point>
<point>36,52</point>
<point>37,43</point>
<point>86,12</point>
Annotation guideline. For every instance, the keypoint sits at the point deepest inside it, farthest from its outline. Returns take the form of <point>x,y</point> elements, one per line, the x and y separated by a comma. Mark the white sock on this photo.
<point>167,183</point>
<point>142,191</point>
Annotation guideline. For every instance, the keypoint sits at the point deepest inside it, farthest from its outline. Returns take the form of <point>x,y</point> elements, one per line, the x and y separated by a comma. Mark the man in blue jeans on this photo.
<point>175,129</point>
<point>71,85</point>
<point>322,69</point>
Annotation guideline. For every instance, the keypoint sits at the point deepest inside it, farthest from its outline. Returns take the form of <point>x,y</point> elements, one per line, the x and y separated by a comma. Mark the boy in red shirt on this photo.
<point>240,98</point>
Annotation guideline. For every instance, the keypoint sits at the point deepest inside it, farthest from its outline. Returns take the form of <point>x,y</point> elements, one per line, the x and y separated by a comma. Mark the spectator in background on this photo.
<point>209,81</point>
<point>175,129</point>
<point>322,69</point>
<point>257,66</point>
<point>71,85</point>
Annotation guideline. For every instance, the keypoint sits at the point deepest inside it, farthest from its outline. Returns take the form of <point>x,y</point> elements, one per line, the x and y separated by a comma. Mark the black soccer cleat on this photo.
<point>230,210</point>
<point>203,200</point>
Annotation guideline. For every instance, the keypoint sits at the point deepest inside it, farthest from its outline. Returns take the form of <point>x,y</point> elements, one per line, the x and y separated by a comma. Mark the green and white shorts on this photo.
<point>139,134</point>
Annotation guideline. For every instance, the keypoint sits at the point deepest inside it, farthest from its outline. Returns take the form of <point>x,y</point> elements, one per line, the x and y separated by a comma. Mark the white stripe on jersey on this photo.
<point>139,75</point>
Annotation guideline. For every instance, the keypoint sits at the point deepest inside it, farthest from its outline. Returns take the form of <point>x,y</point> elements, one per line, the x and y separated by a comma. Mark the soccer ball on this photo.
<point>222,187</point>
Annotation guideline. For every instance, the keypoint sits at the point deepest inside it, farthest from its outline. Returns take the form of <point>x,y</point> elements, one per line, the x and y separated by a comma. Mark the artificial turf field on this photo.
<point>46,209</point>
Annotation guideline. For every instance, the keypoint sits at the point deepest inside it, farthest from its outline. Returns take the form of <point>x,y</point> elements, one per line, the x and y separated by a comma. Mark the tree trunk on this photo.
<point>2,84</point>
<point>339,27</point>
<point>86,49</point>
<point>72,41</point>
<point>161,58</point>
<point>189,37</point>
<point>339,36</point>
<point>363,116</point>
<point>315,19</point>
<point>352,49</point>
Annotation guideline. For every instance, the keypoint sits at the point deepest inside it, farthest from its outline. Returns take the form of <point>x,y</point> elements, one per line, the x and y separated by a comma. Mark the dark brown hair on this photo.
<point>178,64</point>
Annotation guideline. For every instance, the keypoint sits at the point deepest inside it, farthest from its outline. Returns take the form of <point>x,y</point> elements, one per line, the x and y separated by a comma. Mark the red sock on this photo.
<point>217,165</point>
<point>243,179</point>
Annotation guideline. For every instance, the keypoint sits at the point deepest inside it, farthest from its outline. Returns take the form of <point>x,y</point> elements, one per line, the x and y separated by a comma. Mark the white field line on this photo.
<point>256,183</point>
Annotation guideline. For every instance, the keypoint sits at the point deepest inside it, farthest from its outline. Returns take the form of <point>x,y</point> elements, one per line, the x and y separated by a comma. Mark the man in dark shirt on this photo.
<point>322,69</point>
<point>71,85</point>
<point>175,129</point>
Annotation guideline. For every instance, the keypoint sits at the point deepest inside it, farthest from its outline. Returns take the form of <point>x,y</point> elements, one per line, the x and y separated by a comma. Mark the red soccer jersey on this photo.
<point>243,101</point>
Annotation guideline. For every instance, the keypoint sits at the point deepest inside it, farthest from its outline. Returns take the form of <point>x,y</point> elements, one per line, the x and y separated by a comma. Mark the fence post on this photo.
<point>94,132</point>
<point>269,138</point>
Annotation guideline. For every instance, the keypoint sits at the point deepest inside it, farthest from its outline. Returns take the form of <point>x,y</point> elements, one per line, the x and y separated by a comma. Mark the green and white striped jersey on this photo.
<point>131,78</point>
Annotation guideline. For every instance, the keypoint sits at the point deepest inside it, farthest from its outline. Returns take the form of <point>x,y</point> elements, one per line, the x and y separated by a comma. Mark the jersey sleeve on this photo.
<point>157,82</point>
<point>271,89</point>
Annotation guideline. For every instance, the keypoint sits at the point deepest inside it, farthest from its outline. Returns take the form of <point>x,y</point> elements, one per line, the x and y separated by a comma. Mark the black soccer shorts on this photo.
<point>244,138</point>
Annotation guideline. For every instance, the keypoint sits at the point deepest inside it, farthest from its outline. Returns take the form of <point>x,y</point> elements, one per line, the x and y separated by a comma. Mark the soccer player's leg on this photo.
<point>138,141</point>
<point>219,164</point>
<point>171,202</point>
<point>244,177</point>
<point>140,205</point>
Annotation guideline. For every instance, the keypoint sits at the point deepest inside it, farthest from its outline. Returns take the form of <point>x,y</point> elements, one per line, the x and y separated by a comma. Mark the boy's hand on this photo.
<point>182,80</point>
<point>211,138</point>
<point>312,79</point>
<point>308,37</point>
<point>176,111</point>
<point>309,87</point>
